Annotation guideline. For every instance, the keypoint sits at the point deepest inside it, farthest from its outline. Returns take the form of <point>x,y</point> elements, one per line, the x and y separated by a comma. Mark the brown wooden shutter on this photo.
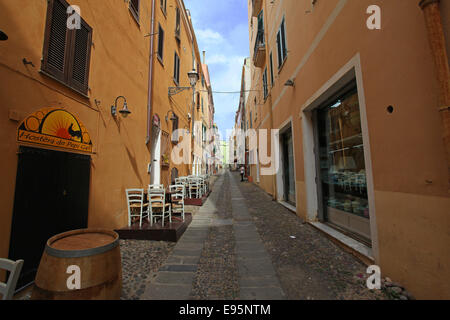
<point>80,59</point>
<point>56,39</point>
<point>67,52</point>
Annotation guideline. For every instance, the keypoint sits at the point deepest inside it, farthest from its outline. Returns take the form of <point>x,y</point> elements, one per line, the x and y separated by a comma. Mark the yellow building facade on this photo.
<point>84,113</point>
<point>359,128</point>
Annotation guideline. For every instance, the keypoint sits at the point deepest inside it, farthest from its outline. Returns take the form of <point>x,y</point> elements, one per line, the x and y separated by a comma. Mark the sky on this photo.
<point>221,28</point>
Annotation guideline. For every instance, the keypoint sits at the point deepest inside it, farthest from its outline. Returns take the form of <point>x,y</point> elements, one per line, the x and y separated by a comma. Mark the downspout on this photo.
<point>433,22</point>
<point>150,77</point>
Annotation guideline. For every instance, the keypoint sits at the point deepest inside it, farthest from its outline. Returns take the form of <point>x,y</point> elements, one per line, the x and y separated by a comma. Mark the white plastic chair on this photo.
<point>14,267</point>
<point>177,196</point>
<point>157,202</point>
<point>135,201</point>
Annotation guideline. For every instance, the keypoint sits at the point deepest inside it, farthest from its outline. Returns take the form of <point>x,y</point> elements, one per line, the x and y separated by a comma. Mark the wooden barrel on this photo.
<point>97,254</point>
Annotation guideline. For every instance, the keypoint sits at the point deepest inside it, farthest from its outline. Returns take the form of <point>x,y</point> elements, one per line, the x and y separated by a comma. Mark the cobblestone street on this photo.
<point>242,245</point>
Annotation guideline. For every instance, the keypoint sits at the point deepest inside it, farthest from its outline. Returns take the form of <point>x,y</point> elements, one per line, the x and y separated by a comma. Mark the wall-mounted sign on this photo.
<point>156,121</point>
<point>55,127</point>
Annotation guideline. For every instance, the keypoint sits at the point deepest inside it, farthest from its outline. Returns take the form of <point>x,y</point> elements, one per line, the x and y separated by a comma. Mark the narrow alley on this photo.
<point>242,245</point>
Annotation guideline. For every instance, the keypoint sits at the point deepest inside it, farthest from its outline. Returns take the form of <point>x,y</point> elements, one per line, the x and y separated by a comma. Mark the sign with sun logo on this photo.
<point>55,127</point>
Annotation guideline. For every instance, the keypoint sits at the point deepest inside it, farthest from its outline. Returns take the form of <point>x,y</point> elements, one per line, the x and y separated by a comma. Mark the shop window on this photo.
<point>134,8</point>
<point>342,164</point>
<point>67,53</point>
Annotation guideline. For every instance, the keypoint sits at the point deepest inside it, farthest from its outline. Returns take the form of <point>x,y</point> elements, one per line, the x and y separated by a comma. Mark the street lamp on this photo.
<point>124,112</point>
<point>193,78</point>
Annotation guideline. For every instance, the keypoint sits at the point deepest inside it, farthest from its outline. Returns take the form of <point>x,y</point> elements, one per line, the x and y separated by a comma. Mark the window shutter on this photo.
<point>56,39</point>
<point>161,43</point>
<point>176,69</point>
<point>283,40</point>
<point>178,21</point>
<point>279,49</point>
<point>134,6</point>
<point>79,72</point>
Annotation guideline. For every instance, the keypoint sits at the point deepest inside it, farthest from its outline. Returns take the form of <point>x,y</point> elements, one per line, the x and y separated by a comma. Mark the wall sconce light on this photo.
<point>173,118</point>
<point>124,112</point>
<point>3,36</point>
<point>290,83</point>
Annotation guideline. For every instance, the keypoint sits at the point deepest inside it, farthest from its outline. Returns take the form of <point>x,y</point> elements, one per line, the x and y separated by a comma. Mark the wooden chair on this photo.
<point>155,187</point>
<point>177,196</point>
<point>194,188</point>
<point>157,202</point>
<point>14,267</point>
<point>135,201</point>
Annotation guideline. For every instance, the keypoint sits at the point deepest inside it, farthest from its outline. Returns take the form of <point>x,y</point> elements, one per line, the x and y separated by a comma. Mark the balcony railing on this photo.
<point>259,55</point>
<point>257,6</point>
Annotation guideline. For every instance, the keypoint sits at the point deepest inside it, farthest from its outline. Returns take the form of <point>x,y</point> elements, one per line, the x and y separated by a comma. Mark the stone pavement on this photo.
<point>257,278</point>
<point>242,245</point>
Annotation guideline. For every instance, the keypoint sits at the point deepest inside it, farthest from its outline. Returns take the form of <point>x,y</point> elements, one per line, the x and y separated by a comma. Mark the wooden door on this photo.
<point>51,197</point>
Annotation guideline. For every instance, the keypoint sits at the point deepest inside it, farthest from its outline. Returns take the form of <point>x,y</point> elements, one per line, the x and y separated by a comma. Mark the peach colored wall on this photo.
<point>406,146</point>
<point>119,66</point>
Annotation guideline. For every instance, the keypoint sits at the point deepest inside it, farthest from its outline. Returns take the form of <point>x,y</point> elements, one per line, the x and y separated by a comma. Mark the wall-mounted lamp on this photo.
<point>124,112</point>
<point>193,78</point>
<point>290,83</point>
<point>173,118</point>
<point>3,36</point>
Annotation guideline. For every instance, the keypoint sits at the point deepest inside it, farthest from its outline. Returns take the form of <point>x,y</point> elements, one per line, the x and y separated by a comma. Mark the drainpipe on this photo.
<point>150,77</point>
<point>433,22</point>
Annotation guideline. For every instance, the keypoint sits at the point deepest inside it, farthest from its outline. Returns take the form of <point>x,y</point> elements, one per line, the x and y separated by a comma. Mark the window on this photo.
<point>265,90</point>
<point>251,122</point>
<point>67,53</point>
<point>175,136</point>
<point>134,8</point>
<point>160,43</point>
<point>198,100</point>
<point>281,44</point>
<point>203,111</point>
<point>204,133</point>
<point>163,4</point>
<point>176,69</point>
<point>271,69</point>
<point>178,23</point>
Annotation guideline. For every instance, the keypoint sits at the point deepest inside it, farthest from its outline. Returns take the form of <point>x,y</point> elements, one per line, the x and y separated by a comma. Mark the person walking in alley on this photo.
<point>242,173</point>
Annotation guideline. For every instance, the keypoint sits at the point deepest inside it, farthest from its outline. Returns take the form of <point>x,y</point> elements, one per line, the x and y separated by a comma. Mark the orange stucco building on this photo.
<point>362,115</point>
<point>66,157</point>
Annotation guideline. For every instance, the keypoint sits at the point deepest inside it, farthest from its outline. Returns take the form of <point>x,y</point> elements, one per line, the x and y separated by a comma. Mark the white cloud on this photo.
<point>209,37</point>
